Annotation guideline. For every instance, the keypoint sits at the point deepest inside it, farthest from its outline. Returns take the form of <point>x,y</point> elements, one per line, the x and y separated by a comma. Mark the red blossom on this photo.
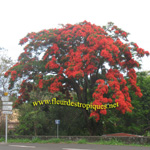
<point>124,34</point>
<point>6,74</point>
<point>40,83</point>
<point>117,32</point>
<point>52,64</point>
<point>55,48</point>
<point>54,87</point>
<point>95,115</point>
<point>13,75</point>
<point>147,53</point>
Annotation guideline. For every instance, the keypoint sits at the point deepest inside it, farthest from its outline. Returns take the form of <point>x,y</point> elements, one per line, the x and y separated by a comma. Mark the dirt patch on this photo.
<point>122,134</point>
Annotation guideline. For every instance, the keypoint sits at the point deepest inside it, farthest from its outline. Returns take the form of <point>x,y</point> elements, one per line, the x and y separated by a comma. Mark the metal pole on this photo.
<point>57,130</point>
<point>6,129</point>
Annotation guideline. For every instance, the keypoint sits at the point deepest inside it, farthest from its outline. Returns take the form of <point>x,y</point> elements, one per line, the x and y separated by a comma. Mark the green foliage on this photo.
<point>139,120</point>
<point>110,142</point>
<point>35,140</point>
<point>2,139</point>
<point>40,120</point>
<point>19,141</point>
<point>82,141</point>
<point>55,140</point>
<point>147,133</point>
<point>2,125</point>
<point>71,120</point>
<point>32,120</point>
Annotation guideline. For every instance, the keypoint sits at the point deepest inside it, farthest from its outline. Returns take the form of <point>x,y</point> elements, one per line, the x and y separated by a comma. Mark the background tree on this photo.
<point>138,121</point>
<point>83,58</point>
<point>5,63</point>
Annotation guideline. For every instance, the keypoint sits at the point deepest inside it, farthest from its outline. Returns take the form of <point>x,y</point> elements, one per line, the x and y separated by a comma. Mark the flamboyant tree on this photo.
<point>90,60</point>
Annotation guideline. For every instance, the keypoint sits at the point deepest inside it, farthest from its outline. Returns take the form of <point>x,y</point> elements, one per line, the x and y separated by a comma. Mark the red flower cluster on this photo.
<point>99,98</point>
<point>55,86</point>
<point>52,64</point>
<point>6,74</point>
<point>32,35</point>
<point>117,84</point>
<point>74,65</point>
<point>13,75</point>
<point>24,40</point>
<point>117,32</point>
<point>140,51</point>
<point>26,87</point>
<point>124,34</point>
<point>107,55</point>
<point>41,83</point>
<point>54,49</point>
<point>132,80</point>
<point>95,115</point>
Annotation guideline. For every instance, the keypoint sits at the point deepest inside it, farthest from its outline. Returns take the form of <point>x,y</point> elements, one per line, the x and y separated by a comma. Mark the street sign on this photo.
<point>7,112</point>
<point>6,107</point>
<point>57,121</point>
<point>5,94</point>
<point>7,103</point>
<point>5,98</point>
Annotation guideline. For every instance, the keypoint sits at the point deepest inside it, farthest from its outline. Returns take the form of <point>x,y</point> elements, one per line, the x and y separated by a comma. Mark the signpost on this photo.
<point>7,112</point>
<point>6,109</point>
<point>57,122</point>
<point>7,103</point>
<point>5,98</point>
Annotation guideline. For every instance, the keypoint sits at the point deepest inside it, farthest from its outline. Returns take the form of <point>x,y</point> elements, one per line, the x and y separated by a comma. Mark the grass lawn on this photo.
<point>82,141</point>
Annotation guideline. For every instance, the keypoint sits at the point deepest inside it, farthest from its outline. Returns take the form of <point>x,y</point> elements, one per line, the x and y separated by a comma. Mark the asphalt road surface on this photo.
<point>36,146</point>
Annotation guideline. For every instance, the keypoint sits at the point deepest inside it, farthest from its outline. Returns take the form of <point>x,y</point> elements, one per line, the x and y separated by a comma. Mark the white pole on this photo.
<point>6,130</point>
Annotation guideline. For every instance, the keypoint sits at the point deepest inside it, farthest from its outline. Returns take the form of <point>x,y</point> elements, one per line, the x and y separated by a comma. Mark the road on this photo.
<point>36,146</point>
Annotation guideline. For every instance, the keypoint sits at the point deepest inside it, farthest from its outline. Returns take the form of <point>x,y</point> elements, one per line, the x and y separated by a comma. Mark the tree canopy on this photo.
<point>85,58</point>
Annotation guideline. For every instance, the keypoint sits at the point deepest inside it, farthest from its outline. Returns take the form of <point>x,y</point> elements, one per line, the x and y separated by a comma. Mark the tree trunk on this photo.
<point>35,129</point>
<point>94,128</point>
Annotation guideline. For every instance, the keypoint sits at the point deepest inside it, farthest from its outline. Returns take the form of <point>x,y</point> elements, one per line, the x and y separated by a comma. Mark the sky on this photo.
<point>20,17</point>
